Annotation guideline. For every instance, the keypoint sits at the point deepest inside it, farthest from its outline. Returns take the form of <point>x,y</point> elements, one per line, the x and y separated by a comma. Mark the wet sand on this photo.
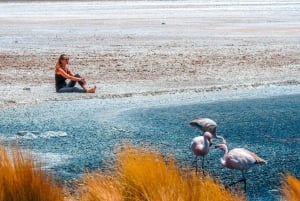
<point>129,48</point>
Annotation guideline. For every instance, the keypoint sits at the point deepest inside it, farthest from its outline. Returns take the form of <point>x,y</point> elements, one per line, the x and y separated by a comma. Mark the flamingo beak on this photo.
<point>210,143</point>
<point>217,145</point>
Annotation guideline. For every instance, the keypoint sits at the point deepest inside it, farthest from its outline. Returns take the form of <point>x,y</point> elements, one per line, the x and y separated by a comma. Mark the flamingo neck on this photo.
<point>225,149</point>
<point>223,140</point>
<point>206,142</point>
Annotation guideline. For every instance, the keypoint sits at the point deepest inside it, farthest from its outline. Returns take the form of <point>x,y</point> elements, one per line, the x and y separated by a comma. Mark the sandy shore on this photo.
<point>147,47</point>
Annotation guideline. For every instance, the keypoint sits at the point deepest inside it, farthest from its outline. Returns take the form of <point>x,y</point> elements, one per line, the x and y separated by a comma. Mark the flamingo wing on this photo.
<point>240,159</point>
<point>204,124</point>
<point>198,146</point>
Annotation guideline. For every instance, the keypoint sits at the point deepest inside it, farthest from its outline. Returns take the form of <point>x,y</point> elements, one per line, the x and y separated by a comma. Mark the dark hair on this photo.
<point>61,58</point>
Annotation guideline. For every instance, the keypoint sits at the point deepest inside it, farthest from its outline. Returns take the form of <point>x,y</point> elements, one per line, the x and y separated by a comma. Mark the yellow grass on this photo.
<point>140,175</point>
<point>22,180</point>
<point>98,187</point>
<point>143,175</point>
<point>291,188</point>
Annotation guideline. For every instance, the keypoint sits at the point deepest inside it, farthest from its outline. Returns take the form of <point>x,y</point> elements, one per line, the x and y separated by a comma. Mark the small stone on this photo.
<point>10,101</point>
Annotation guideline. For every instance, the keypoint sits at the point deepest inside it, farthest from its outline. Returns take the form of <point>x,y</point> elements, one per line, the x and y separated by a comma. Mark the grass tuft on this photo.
<point>99,187</point>
<point>140,175</point>
<point>22,180</point>
<point>291,188</point>
<point>147,176</point>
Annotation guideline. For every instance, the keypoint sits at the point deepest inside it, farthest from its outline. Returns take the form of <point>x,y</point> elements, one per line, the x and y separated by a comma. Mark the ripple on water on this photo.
<point>37,134</point>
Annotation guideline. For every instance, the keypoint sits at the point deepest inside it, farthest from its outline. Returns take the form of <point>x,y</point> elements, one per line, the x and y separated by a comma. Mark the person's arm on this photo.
<point>71,72</point>
<point>68,76</point>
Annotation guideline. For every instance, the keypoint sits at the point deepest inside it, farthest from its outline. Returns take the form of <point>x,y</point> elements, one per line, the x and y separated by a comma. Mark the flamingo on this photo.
<point>239,159</point>
<point>200,146</point>
<point>206,124</point>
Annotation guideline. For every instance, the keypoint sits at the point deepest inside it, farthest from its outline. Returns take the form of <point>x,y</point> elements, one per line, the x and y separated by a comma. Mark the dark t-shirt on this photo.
<point>60,82</point>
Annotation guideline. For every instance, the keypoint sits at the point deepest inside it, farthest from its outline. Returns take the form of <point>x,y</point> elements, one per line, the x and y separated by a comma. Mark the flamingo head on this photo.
<point>208,136</point>
<point>222,147</point>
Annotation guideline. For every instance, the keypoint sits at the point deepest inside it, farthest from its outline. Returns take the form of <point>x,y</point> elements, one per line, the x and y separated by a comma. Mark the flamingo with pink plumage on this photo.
<point>200,146</point>
<point>206,124</point>
<point>239,159</point>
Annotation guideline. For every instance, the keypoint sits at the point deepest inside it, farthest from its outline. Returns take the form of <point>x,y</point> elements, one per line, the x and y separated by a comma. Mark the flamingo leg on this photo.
<point>243,179</point>
<point>203,163</point>
<point>203,172</point>
<point>196,161</point>
<point>235,182</point>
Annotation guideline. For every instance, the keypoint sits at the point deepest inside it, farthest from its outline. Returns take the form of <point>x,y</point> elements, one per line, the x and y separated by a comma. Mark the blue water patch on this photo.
<point>87,134</point>
<point>269,127</point>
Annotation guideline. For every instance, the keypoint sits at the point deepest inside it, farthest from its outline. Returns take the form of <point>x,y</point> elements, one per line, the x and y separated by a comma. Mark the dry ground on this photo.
<point>146,47</point>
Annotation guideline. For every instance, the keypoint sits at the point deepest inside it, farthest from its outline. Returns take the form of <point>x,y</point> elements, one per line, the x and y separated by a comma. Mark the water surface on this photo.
<point>71,136</point>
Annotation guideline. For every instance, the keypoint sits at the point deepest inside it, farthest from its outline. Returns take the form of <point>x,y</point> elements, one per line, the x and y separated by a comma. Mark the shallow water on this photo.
<point>72,136</point>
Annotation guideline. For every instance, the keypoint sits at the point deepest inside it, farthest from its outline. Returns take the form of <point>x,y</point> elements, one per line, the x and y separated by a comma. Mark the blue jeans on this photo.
<point>70,87</point>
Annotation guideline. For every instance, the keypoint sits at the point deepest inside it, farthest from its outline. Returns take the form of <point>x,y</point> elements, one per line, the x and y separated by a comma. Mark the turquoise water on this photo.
<point>72,136</point>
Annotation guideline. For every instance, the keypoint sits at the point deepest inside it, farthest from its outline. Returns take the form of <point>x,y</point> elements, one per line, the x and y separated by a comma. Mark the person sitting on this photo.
<point>62,73</point>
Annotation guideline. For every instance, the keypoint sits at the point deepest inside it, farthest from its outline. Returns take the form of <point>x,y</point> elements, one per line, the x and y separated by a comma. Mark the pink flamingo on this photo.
<point>239,159</point>
<point>200,146</point>
<point>206,124</point>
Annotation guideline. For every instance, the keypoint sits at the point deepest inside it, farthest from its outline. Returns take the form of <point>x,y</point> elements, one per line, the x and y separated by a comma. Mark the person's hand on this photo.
<point>82,80</point>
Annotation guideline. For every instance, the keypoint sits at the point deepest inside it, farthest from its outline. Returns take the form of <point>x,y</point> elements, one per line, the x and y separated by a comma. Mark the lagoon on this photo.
<point>71,136</point>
